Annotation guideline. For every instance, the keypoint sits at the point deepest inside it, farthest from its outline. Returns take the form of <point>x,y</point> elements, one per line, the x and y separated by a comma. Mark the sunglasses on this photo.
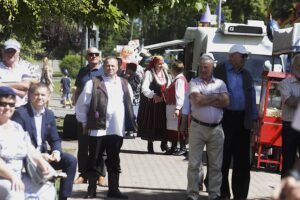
<point>4,104</point>
<point>245,56</point>
<point>93,54</point>
<point>10,51</point>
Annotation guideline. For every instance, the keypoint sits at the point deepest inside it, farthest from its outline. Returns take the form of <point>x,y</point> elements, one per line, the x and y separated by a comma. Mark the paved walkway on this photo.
<point>157,176</point>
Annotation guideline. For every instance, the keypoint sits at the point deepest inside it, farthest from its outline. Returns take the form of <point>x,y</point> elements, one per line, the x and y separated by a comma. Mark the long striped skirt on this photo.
<point>151,120</point>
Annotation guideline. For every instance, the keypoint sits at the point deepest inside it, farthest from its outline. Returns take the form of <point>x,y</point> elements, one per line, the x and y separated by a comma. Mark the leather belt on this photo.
<point>204,123</point>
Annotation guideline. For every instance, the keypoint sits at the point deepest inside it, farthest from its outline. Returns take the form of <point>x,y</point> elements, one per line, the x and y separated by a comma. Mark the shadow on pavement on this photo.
<point>140,194</point>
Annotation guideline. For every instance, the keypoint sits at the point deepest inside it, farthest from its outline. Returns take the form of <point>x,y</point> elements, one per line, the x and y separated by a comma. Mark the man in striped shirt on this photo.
<point>290,95</point>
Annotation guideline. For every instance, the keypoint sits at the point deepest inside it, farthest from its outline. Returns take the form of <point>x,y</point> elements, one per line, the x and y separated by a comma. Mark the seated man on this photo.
<point>39,122</point>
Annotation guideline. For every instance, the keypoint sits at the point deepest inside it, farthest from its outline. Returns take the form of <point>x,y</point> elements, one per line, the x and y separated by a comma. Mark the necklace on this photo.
<point>160,80</point>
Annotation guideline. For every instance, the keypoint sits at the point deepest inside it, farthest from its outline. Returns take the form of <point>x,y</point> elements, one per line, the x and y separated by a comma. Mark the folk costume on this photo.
<point>151,117</point>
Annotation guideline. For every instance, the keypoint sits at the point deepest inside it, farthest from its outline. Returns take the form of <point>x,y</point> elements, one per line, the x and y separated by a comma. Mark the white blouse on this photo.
<point>148,78</point>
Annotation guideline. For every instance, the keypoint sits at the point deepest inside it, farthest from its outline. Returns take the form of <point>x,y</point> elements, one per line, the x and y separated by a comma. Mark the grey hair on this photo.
<point>206,59</point>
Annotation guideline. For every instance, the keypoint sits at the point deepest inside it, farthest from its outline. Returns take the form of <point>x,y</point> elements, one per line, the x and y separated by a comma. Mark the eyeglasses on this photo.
<point>93,54</point>
<point>4,104</point>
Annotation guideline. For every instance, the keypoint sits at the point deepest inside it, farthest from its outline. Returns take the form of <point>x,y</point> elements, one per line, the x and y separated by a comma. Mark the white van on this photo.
<point>200,40</point>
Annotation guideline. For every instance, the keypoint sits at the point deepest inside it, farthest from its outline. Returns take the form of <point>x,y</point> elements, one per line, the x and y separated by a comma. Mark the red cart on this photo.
<point>269,139</point>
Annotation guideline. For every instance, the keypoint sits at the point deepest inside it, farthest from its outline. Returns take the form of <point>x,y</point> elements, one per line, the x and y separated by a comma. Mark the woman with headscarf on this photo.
<point>151,117</point>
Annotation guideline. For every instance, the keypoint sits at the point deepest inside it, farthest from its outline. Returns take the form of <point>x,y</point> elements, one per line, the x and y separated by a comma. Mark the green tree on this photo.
<point>242,10</point>
<point>72,63</point>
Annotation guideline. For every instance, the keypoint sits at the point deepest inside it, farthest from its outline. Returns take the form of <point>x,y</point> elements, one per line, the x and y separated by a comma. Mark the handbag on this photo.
<point>36,175</point>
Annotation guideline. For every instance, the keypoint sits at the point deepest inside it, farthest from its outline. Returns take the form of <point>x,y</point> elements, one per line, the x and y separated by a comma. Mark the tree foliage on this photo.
<point>72,63</point>
<point>55,23</point>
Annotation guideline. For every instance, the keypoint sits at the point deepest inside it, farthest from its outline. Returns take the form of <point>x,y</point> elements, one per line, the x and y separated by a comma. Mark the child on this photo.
<point>135,83</point>
<point>65,86</point>
<point>176,94</point>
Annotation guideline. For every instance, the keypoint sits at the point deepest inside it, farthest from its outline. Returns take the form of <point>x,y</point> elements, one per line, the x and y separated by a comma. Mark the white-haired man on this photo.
<point>13,73</point>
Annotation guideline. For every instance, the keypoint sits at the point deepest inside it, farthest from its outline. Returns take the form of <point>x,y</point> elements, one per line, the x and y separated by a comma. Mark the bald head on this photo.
<point>92,50</point>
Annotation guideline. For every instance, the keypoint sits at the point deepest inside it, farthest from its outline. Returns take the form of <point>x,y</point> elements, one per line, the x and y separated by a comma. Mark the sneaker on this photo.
<point>129,135</point>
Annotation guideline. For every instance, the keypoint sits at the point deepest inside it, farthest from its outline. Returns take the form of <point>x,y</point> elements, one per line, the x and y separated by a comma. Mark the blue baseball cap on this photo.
<point>7,91</point>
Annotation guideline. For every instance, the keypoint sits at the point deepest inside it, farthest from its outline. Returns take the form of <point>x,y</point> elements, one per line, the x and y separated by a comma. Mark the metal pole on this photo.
<point>131,31</point>
<point>219,14</point>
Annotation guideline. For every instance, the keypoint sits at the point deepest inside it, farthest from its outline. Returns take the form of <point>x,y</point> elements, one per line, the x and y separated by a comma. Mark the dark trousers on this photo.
<point>236,147</point>
<point>97,145</point>
<point>290,146</point>
<point>68,165</point>
<point>83,154</point>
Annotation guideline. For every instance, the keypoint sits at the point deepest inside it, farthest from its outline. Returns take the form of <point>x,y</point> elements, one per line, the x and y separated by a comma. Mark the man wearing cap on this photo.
<point>239,122</point>
<point>93,68</point>
<point>208,96</point>
<point>12,73</point>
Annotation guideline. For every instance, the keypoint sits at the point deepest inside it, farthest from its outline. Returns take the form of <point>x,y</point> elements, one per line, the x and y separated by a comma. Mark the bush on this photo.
<point>72,63</point>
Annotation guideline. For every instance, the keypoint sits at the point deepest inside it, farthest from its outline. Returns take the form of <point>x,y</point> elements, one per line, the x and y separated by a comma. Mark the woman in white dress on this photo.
<point>15,144</point>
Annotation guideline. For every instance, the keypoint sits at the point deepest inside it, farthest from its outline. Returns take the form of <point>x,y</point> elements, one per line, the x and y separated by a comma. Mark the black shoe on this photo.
<point>225,197</point>
<point>181,152</point>
<point>189,198</point>
<point>116,194</point>
<point>90,195</point>
<point>164,147</point>
<point>171,151</point>
<point>129,135</point>
<point>150,147</point>
<point>217,198</point>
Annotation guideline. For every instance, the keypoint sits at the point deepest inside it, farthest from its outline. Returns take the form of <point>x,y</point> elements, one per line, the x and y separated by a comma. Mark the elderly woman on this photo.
<point>14,146</point>
<point>151,117</point>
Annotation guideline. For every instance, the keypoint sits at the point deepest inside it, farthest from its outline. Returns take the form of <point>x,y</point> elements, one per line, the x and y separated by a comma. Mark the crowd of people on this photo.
<point>215,110</point>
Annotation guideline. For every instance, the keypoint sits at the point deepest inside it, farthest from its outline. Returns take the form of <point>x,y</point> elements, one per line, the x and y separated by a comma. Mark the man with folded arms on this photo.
<point>208,96</point>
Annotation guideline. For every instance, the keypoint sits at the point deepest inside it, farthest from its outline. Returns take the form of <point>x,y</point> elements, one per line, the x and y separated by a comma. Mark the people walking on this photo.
<point>65,88</point>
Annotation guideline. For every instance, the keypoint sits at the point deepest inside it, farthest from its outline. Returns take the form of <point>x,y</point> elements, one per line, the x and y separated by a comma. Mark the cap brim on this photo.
<point>12,47</point>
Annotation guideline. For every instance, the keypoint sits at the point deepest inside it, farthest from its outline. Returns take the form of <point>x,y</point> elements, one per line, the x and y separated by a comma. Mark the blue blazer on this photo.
<point>24,116</point>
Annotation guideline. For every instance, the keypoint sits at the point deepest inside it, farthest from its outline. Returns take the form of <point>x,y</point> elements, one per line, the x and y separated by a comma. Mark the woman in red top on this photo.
<point>176,93</point>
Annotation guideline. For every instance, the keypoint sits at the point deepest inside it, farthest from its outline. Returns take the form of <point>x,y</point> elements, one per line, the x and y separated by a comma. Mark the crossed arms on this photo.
<point>220,100</point>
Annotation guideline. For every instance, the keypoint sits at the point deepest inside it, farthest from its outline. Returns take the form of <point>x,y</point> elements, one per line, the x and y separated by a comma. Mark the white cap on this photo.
<point>12,44</point>
<point>237,48</point>
<point>210,55</point>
